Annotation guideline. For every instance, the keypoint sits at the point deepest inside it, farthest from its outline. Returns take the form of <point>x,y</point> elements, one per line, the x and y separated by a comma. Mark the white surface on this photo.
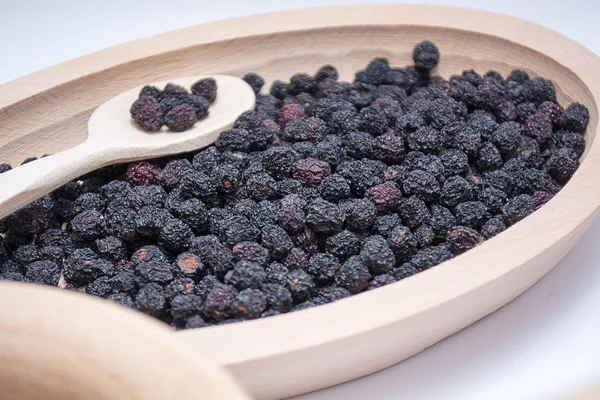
<point>541,345</point>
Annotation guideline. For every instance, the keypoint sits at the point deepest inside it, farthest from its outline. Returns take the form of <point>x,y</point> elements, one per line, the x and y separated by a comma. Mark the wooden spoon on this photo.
<point>113,137</point>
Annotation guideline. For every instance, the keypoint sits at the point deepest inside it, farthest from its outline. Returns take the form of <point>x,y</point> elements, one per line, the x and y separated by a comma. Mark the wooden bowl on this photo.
<point>312,349</point>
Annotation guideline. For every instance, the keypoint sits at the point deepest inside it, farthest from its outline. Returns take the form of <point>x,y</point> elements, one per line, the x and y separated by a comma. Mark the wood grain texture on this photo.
<point>113,137</point>
<point>59,345</point>
<point>311,349</point>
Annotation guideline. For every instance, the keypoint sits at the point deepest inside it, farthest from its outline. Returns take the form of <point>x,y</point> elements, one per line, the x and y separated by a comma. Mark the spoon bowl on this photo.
<point>113,137</point>
<point>110,125</point>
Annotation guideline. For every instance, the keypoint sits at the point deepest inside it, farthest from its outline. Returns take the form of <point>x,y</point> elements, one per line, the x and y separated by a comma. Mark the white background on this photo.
<point>543,344</point>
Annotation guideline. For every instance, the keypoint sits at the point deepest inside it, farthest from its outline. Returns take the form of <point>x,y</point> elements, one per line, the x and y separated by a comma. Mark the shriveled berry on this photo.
<point>185,306</point>
<point>402,242</point>
<point>385,196</point>
<point>323,267</point>
<point>489,157</point>
<point>426,55</point>
<point>278,161</point>
<point>575,118</point>
<point>309,171</point>
<point>151,299</point>
<point>306,240</point>
<point>206,88</point>
<point>304,129</point>
<point>296,259</point>
<point>455,190</point>
<point>389,148</point>
<point>373,120</point>
<point>88,225</point>
<point>553,111</point>
<point>561,167</point>
<point>539,127</point>
<point>492,227</point>
<point>143,173</point>
<point>359,145</point>
<point>353,275</point>
<point>413,211</point>
<point>255,81</point>
<point>148,113</point>
<point>251,251</point>
<point>181,118</point>
<point>112,248</point>
<point>426,139</point>
<point>302,83</point>
<point>83,266</point>
<point>278,297</point>
<point>334,188</point>
<point>462,238</point>
<point>101,287</point>
<point>359,175</point>
<point>423,184</point>
<point>377,255</point>
<point>494,199</point>
<point>124,282</point>
<point>540,198</point>
<point>217,305</point>
<point>430,256</point>
<point>189,264</point>
<point>518,208</point>
<point>361,214</point>
<point>324,217</point>
<point>300,284</point>
<point>542,90</point>
<point>43,272</point>
<point>246,274</point>
<point>471,213</point>
<point>154,271</point>
<point>291,112</point>
<point>249,304</point>
<point>343,244</point>
<point>277,241</point>
<point>175,235</point>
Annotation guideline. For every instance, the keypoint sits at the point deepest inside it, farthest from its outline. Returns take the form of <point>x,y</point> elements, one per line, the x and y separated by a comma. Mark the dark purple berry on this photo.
<point>255,81</point>
<point>206,88</point>
<point>575,118</point>
<point>377,255</point>
<point>181,118</point>
<point>309,171</point>
<point>426,55</point>
<point>143,173</point>
<point>353,275</point>
<point>148,113</point>
<point>462,238</point>
<point>300,284</point>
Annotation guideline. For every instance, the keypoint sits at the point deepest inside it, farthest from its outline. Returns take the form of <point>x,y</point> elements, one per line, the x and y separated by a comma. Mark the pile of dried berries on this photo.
<point>328,189</point>
<point>174,106</point>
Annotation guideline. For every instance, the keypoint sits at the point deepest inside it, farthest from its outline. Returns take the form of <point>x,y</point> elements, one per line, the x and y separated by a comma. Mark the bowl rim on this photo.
<point>326,325</point>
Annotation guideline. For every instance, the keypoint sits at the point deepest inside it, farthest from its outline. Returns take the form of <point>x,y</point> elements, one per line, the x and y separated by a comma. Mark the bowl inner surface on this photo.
<point>57,119</point>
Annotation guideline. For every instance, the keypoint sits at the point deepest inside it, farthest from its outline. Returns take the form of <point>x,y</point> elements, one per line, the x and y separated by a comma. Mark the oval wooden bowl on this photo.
<point>307,350</point>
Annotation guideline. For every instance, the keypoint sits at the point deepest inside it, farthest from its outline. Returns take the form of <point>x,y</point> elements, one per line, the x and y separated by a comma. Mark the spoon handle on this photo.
<point>22,185</point>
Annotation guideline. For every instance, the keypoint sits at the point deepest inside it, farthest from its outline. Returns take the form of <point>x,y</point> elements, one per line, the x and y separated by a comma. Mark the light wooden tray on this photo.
<point>303,351</point>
